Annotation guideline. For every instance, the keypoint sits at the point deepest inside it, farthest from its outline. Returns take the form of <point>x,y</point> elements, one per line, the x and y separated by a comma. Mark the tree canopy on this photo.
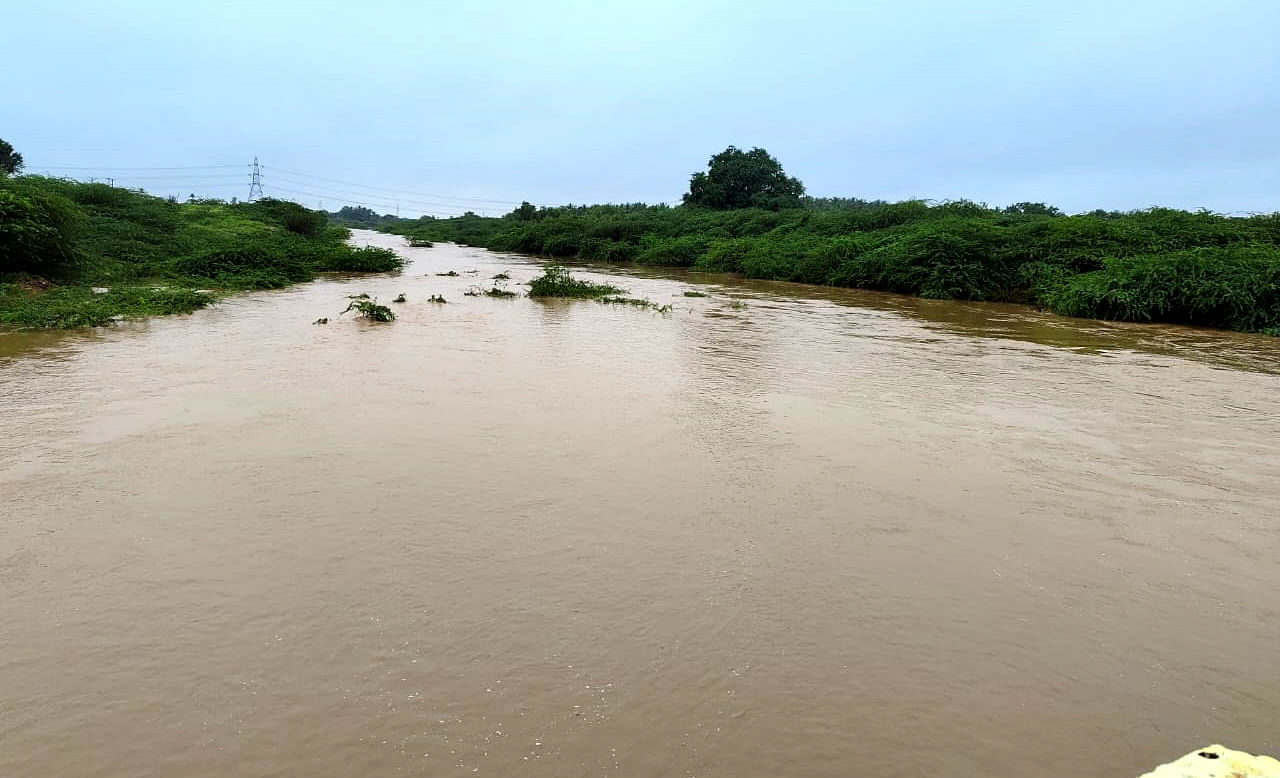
<point>10,160</point>
<point>744,179</point>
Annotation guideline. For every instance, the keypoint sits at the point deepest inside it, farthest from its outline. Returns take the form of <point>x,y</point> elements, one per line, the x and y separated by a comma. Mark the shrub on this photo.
<point>682,251</point>
<point>293,217</point>
<point>35,231</point>
<point>1235,287</point>
<point>365,259</point>
<point>555,281</point>
<point>369,309</point>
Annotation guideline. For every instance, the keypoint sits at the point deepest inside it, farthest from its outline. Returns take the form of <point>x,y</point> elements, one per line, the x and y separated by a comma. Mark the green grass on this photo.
<point>555,281</point>
<point>68,307</point>
<point>79,235</point>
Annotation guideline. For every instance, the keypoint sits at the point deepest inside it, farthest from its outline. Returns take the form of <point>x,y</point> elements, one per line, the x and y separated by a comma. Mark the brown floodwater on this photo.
<point>780,530</point>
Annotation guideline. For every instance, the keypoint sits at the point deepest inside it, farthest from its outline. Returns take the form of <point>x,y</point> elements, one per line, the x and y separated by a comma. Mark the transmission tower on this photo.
<point>255,183</point>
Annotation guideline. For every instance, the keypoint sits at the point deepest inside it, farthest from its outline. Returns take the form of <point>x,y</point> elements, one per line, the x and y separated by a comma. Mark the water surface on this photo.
<point>816,532</point>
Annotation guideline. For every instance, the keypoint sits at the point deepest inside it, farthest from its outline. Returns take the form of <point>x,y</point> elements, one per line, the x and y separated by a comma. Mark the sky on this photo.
<point>441,107</point>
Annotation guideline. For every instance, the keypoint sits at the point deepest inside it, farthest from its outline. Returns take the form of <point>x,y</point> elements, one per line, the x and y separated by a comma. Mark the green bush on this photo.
<point>365,259</point>
<point>1236,287</point>
<point>36,231</point>
<point>555,281</point>
<point>681,252</point>
<point>293,217</point>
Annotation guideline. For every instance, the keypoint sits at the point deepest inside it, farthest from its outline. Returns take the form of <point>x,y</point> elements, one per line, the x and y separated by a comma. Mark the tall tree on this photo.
<point>744,179</point>
<point>10,160</point>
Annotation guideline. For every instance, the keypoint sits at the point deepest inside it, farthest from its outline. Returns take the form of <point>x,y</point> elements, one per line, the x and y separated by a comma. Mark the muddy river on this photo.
<point>780,530</point>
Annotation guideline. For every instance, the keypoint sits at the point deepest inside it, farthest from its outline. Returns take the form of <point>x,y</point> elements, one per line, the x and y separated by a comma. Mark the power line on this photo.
<point>386,198</point>
<point>237,176</point>
<point>385,189</point>
<point>366,203</point>
<point>382,195</point>
<point>187,167</point>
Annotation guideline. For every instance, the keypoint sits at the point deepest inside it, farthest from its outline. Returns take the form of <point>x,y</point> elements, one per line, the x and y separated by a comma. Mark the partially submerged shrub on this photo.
<point>364,259</point>
<point>258,265</point>
<point>369,308</point>
<point>555,281</point>
<point>1236,287</point>
<point>637,302</point>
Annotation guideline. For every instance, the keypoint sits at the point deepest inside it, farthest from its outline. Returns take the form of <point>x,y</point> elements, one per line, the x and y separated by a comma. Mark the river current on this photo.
<point>779,530</point>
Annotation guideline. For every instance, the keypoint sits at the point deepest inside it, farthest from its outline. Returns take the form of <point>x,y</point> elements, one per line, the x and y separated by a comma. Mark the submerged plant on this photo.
<point>493,291</point>
<point>369,308</point>
<point>322,320</point>
<point>502,277</point>
<point>737,305</point>
<point>400,298</point>
<point>436,298</point>
<point>636,301</point>
<point>451,273</point>
<point>555,281</point>
<point>692,293</point>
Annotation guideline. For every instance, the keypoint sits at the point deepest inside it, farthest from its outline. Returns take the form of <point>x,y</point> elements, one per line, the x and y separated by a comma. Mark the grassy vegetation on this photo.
<point>67,307</point>
<point>555,281</point>
<point>58,239</point>
<point>1158,264</point>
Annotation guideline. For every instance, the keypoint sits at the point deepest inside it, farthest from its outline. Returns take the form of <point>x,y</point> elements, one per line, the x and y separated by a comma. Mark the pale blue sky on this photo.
<point>1117,104</point>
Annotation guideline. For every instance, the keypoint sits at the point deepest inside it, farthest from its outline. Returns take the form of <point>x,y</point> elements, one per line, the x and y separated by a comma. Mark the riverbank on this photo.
<point>1158,265</point>
<point>84,255</point>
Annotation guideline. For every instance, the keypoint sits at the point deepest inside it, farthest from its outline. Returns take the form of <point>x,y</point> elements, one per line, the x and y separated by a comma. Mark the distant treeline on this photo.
<point>362,218</point>
<point>1153,265</point>
<point>59,239</point>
